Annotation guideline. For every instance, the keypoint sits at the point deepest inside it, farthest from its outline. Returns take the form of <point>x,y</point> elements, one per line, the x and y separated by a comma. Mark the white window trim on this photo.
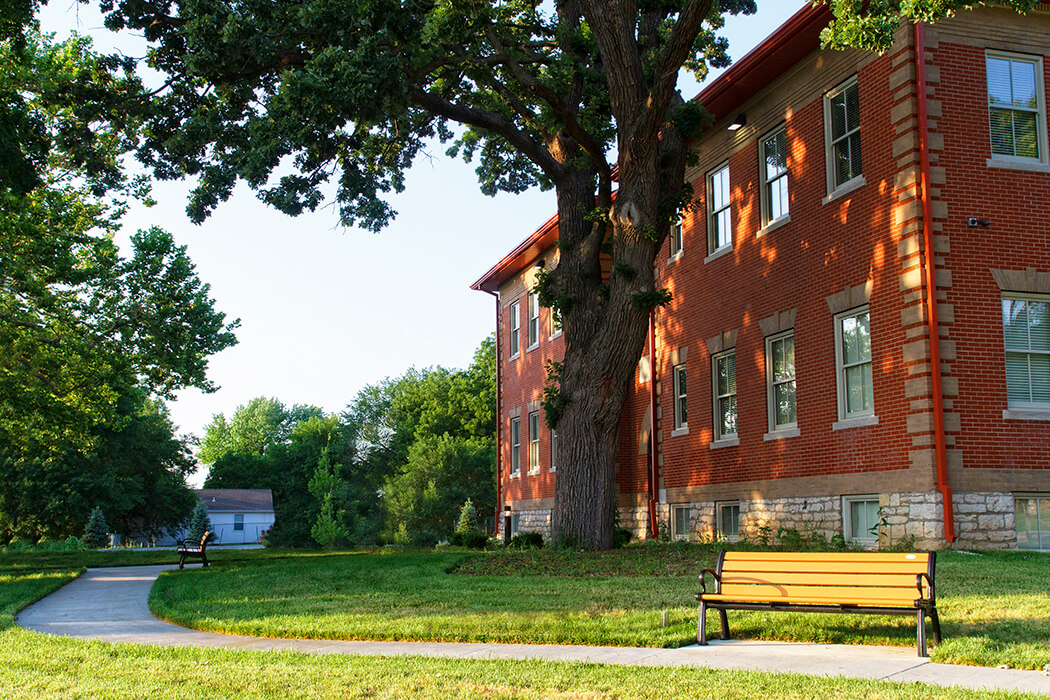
<point>857,418</point>
<point>716,414</point>
<point>786,429</point>
<point>996,160</point>
<point>515,447</point>
<point>719,507</point>
<point>713,249</point>
<point>834,191</point>
<point>515,329</point>
<point>676,233</point>
<point>675,534</point>
<point>534,442</point>
<point>1023,410</point>
<point>847,521</point>
<point>679,425</point>
<point>769,224</point>
<point>533,302</point>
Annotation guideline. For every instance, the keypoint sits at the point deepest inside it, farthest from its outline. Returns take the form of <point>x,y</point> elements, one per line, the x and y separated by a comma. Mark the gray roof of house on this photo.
<point>236,499</point>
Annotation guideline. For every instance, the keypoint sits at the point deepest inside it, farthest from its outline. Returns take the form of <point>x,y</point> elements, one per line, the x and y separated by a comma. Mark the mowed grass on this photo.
<point>36,666</point>
<point>995,607</point>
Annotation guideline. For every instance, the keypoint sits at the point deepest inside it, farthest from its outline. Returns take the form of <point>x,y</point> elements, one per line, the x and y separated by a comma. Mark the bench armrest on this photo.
<point>703,584</point>
<point>929,584</point>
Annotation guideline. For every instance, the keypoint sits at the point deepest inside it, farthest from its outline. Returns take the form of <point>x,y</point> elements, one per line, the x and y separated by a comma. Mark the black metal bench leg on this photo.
<point>701,625</point>
<point>204,558</point>
<point>935,622</point>
<point>724,619</point>
<point>921,615</point>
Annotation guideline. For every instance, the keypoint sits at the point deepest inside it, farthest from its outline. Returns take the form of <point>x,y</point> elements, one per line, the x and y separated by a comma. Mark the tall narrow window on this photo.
<point>780,378</point>
<point>774,172</point>
<point>238,522</point>
<point>680,414</point>
<point>725,395</point>
<point>515,326</point>
<point>842,134</point>
<point>680,522</point>
<point>719,221</point>
<point>515,446</point>
<point>1026,331</point>
<point>853,337</point>
<point>534,441</point>
<point>554,450</point>
<point>1015,107</point>
<point>555,322</point>
<point>676,239</point>
<point>534,319</point>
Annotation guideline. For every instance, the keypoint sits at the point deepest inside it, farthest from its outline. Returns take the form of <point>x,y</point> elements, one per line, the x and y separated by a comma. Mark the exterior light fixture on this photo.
<point>741,120</point>
<point>539,264</point>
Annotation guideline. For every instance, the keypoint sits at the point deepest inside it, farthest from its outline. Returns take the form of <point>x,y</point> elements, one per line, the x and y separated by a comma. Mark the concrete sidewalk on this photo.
<point>111,604</point>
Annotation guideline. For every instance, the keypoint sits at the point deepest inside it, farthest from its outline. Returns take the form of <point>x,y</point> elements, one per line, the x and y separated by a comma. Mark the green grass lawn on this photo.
<point>994,607</point>
<point>36,666</point>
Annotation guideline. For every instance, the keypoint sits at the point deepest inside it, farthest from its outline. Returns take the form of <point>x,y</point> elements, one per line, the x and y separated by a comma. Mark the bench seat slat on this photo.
<point>882,558</point>
<point>871,579</point>
<point>783,592</point>
<point>813,600</point>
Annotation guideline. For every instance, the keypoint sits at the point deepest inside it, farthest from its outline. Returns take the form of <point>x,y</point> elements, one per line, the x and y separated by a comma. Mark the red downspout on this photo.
<point>653,482</point>
<point>499,418</point>
<point>931,288</point>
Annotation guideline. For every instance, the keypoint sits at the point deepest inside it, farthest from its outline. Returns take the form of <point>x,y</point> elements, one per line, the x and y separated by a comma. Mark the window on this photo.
<point>780,380</point>
<point>1026,331</point>
<point>515,446</point>
<point>1032,515</point>
<point>515,523</point>
<point>725,395</point>
<point>238,522</point>
<point>719,231</point>
<point>534,441</point>
<point>853,359</point>
<point>676,239</point>
<point>555,322</point>
<point>860,519</point>
<point>774,172</point>
<point>554,450</point>
<point>680,415</point>
<point>1015,107</point>
<point>680,522</point>
<point>842,134</point>
<point>728,518</point>
<point>534,319</point>
<point>515,325</point>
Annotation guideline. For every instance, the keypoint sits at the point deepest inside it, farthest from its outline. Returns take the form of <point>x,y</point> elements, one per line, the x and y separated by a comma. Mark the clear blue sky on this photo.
<point>325,311</point>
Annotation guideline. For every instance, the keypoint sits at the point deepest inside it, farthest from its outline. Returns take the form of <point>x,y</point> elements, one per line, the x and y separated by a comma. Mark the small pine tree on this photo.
<point>96,534</point>
<point>327,531</point>
<point>468,518</point>
<point>199,523</point>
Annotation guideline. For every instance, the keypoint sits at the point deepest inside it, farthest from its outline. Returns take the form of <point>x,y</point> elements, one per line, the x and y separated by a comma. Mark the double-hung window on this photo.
<point>534,320</point>
<point>1016,107</point>
<point>774,172</point>
<point>1026,332</point>
<point>842,134</point>
<point>238,522</point>
<point>724,366</point>
<point>680,414</point>
<point>554,450</point>
<point>780,381</point>
<point>555,322</point>
<point>515,329</point>
<point>675,239</point>
<point>853,359</point>
<point>719,219</point>
<point>534,442</point>
<point>515,446</point>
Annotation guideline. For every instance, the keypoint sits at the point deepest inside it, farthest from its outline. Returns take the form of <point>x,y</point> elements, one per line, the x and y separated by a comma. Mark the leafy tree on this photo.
<point>468,518</point>
<point>255,427</point>
<point>550,95</point>
<point>199,523</point>
<point>96,533</point>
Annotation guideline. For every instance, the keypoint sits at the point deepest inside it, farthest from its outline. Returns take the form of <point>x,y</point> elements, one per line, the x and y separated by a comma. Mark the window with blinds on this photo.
<point>725,395</point>
<point>842,130</point>
<point>774,171</point>
<point>1026,334</point>
<point>1015,106</point>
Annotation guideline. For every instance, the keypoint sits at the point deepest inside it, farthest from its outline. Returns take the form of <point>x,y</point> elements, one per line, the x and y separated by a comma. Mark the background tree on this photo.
<point>199,523</point>
<point>256,426</point>
<point>96,532</point>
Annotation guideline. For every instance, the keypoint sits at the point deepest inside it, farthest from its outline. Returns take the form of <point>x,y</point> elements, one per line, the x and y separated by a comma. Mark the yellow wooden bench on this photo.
<point>839,582</point>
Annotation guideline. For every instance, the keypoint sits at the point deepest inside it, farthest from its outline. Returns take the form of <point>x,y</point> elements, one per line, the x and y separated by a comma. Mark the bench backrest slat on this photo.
<point>821,579</point>
<point>775,592</point>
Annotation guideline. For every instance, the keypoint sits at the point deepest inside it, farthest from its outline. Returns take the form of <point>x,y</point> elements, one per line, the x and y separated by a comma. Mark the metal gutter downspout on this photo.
<point>499,419</point>
<point>940,445</point>
<point>653,483</point>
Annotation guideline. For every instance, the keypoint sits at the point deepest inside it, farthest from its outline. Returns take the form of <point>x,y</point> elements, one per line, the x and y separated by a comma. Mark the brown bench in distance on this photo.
<point>197,550</point>
<point>873,583</point>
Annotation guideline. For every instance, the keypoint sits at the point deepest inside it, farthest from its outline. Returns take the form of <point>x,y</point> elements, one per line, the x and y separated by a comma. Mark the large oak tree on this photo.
<point>555,95</point>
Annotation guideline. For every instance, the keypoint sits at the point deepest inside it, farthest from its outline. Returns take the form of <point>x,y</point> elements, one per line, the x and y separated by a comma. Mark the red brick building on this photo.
<point>852,207</point>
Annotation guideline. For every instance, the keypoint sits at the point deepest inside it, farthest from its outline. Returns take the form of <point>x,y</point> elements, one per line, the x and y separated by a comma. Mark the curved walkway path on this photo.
<point>111,604</point>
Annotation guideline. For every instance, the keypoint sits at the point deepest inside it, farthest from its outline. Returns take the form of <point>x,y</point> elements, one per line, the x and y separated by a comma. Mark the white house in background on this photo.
<point>238,516</point>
